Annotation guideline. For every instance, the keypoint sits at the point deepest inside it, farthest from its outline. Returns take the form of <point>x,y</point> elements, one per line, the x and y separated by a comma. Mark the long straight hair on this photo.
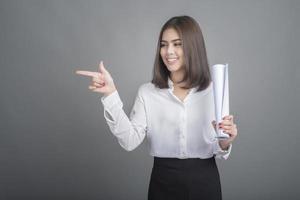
<point>196,64</point>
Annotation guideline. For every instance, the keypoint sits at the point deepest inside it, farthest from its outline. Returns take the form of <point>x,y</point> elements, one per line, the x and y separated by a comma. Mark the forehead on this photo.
<point>170,34</point>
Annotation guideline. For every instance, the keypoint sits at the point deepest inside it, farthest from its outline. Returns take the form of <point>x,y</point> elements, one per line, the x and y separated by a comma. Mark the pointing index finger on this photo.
<point>87,73</point>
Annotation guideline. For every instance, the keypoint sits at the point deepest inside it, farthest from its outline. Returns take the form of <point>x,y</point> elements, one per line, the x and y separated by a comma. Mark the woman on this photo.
<point>176,113</point>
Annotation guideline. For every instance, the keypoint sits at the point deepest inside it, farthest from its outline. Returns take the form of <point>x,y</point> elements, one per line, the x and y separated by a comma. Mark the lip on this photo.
<point>171,60</point>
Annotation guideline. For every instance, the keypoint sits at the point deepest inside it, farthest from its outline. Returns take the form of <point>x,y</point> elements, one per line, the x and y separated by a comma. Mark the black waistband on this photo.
<point>188,162</point>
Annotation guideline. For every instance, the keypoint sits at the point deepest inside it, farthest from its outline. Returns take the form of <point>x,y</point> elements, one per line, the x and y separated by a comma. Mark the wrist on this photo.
<point>110,92</point>
<point>224,144</point>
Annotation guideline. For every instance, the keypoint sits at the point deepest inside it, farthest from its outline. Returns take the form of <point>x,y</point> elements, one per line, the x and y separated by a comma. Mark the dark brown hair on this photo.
<point>196,63</point>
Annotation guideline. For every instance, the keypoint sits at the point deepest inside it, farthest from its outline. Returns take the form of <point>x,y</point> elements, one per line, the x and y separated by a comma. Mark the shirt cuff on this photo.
<point>220,153</point>
<point>111,100</point>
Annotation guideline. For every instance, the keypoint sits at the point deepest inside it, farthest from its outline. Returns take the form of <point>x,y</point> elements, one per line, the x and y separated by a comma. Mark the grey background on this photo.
<point>54,141</point>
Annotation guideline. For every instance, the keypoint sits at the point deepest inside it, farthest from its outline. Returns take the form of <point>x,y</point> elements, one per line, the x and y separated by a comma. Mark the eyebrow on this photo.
<point>171,40</point>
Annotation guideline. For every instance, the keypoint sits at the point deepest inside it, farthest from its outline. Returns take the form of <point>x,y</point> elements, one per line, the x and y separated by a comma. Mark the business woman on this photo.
<point>175,112</point>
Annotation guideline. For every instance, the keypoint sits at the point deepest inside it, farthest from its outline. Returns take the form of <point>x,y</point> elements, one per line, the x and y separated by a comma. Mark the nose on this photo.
<point>170,49</point>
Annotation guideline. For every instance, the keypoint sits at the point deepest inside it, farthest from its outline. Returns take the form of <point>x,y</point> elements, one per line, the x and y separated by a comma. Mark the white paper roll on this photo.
<point>221,95</point>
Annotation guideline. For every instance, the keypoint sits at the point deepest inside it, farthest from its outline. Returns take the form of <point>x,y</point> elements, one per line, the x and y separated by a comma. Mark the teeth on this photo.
<point>171,59</point>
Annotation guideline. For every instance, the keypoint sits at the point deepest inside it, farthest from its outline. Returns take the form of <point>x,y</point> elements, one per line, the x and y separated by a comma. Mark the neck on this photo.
<point>176,77</point>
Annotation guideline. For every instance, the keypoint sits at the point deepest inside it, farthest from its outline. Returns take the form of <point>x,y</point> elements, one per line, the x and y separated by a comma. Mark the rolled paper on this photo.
<point>221,96</point>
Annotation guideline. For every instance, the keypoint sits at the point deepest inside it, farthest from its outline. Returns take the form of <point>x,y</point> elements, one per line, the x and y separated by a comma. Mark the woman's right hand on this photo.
<point>102,81</point>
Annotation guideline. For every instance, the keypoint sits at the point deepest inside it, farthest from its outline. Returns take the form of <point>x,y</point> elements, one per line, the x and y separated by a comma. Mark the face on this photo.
<point>171,51</point>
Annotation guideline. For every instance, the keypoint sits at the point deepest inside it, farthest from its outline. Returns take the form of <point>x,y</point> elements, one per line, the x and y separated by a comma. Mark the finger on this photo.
<point>226,128</point>
<point>91,87</point>
<point>228,117</point>
<point>96,79</point>
<point>234,127</point>
<point>229,133</point>
<point>101,63</point>
<point>214,124</point>
<point>226,122</point>
<point>102,68</point>
<point>87,73</point>
<point>100,89</point>
<point>232,131</point>
<point>97,84</point>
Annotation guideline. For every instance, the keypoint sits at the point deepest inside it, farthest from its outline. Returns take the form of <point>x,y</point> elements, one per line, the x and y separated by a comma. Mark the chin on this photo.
<point>173,68</point>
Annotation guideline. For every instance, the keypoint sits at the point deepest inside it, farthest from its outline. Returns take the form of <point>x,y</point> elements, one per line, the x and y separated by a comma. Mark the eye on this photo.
<point>162,45</point>
<point>177,44</point>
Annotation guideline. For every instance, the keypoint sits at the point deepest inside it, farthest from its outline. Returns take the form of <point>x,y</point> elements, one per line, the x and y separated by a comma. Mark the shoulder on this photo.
<point>210,87</point>
<point>207,90</point>
<point>146,87</point>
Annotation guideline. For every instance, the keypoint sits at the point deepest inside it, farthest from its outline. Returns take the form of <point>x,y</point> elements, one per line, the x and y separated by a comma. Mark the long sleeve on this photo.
<point>131,131</point>
<point>219,152</point>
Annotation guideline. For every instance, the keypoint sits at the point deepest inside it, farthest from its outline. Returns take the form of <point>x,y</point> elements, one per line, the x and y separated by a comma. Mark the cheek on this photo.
<point>182,59</point>
<point>162,53</point>
<point>181,52</point>
<point>181,55</point>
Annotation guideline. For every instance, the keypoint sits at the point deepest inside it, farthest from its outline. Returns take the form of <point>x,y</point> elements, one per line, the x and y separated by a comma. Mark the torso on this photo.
<point>167,120</point>
<point>180,93</point>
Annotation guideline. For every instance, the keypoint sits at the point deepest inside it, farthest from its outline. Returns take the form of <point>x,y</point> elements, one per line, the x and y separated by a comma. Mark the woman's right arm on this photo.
<point>130,132</point>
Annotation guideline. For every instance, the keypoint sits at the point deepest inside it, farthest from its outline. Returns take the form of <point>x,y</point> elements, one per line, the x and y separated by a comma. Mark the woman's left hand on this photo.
<point>229,127</point>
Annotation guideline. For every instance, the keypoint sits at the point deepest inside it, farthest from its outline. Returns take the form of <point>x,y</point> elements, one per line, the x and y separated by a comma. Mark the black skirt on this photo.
<point>184,179</point>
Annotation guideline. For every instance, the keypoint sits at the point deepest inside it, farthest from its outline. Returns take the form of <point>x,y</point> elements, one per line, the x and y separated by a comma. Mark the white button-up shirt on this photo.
<point>174,128</point>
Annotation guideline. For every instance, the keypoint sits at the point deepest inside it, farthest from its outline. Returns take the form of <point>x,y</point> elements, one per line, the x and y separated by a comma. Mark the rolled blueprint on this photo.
<point>221,96</point>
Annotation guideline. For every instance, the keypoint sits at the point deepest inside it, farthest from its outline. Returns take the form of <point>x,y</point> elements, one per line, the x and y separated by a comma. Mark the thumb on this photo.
<point>102,68</point>
<point>214,124</point>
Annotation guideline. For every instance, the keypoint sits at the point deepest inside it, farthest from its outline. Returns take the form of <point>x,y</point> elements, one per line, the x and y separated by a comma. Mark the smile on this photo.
<point>171,60</point>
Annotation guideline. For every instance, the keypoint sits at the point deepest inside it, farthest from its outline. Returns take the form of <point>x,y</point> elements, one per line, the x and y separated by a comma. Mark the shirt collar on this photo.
<point>171,86</point>
<point>170,83</point>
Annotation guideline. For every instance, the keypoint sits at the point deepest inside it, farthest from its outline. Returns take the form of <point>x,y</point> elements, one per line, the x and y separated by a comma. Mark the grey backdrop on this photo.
<point>54,141</point>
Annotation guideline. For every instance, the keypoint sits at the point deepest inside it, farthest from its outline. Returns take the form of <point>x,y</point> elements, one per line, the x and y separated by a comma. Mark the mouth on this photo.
<point>171,60</point>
